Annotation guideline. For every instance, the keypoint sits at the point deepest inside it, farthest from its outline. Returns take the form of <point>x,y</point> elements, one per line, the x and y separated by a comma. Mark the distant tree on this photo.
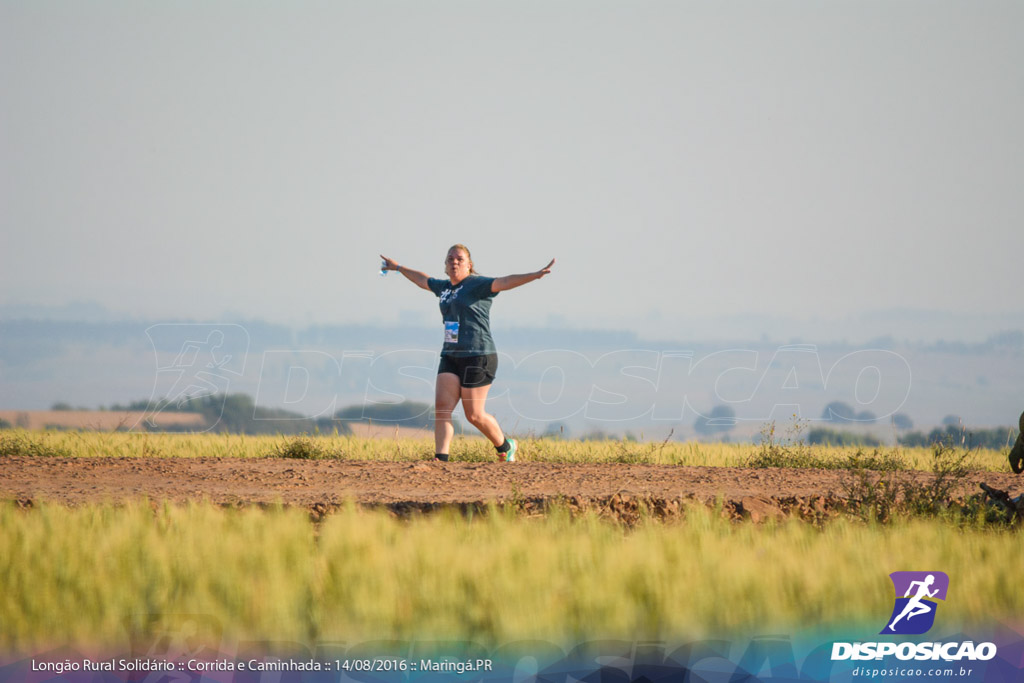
<point>954,435</point>
<point>61,405</point>
<point>951,421</point>
<point>405,414</point>
<point>721,420</point>
<point>866,416</point>
<point>837,411</point>
<point>1013,339</point>
<point>239,414</point>
<point>832,437</point>
<point>4,424</point>
<point>912,439</point>
<point>148,406</point>
<point>556,430</point>
<point>901,422</point>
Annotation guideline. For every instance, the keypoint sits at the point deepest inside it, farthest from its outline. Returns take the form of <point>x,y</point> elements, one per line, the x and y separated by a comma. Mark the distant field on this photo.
<point>138,421</point>
<point>98,420</point>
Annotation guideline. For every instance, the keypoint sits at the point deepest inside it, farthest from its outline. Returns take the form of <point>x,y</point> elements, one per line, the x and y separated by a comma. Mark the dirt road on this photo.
<point>322,485</point>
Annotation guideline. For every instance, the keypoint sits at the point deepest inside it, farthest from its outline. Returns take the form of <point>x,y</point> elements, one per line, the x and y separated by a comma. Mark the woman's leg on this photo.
<point>447,392</point>
<point>473,403</point>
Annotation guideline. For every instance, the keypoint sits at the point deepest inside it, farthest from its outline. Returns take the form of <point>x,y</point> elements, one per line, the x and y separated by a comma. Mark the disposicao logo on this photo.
<point>914,612</point>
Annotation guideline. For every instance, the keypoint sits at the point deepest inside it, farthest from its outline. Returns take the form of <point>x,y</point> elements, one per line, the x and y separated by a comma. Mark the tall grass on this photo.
<point>89,576</point>
<point>78,574</point>
<point>129,445</point>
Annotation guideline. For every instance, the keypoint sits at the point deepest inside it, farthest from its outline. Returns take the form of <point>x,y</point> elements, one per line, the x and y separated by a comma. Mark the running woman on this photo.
<point>469,359</point>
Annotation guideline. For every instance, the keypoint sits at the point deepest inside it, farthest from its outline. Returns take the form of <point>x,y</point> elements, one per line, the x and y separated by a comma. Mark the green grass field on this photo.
<point>130,445</point>
<point>83,575</point>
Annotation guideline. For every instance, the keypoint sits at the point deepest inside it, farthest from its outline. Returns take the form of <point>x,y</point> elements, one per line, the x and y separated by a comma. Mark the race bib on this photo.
<point>451,332</point>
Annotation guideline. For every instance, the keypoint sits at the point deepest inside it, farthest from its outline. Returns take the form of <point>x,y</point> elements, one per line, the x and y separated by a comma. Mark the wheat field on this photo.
<point>87,575</point>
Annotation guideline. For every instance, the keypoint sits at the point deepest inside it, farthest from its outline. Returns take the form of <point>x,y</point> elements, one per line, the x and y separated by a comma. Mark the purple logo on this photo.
<point>916,595</point>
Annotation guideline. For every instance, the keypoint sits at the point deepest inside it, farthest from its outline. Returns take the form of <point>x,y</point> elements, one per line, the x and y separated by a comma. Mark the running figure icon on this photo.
<point>916,605</point>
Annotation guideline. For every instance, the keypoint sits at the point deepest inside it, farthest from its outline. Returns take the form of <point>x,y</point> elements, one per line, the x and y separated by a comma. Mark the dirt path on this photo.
<point>405,486</point>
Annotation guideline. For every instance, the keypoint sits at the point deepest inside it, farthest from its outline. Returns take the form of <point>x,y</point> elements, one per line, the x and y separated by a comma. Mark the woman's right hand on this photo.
<point>419,279</point>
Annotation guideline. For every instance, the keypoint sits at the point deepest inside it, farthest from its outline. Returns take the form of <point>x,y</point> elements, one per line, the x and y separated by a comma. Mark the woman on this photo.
<point>469,358</point>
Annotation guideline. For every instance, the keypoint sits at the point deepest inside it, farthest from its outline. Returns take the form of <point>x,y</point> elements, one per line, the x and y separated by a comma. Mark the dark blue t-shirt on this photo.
<point>466,312</point>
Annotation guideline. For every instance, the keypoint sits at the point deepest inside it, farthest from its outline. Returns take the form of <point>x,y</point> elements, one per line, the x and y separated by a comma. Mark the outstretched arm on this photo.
<point>500,284</point>
<point>414,276</point>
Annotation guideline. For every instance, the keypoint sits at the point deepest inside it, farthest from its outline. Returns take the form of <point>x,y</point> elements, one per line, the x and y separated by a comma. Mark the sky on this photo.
<point>682,160</point>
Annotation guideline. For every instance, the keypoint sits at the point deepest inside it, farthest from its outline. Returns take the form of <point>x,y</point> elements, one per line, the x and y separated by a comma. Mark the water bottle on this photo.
<point>383,268</point>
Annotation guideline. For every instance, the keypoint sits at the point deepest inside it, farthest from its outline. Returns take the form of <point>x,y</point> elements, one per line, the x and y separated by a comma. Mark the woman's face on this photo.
<point>457,265</point>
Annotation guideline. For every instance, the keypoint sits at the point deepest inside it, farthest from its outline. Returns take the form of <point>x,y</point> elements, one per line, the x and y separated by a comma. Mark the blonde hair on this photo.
<point>463,247</point>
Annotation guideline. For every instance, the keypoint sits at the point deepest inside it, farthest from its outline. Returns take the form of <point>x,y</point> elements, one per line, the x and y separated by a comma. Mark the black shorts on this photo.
<point>472,371</point>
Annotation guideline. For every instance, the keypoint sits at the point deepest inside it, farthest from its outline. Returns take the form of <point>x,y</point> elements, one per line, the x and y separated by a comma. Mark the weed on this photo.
<point>516,498</point>
<point>20,444</point>
<point>949,465</point>
<point>632,452</point>
<point>793,451</point>
<point>876,460</point>
<point>872,496</point>
<point>302,449</point>
<point>882,495</point>
<point>789,451</point>
<point>995,506</point>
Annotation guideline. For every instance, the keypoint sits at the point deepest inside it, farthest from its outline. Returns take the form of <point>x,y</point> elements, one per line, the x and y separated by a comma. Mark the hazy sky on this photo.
<point>680,159</point>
